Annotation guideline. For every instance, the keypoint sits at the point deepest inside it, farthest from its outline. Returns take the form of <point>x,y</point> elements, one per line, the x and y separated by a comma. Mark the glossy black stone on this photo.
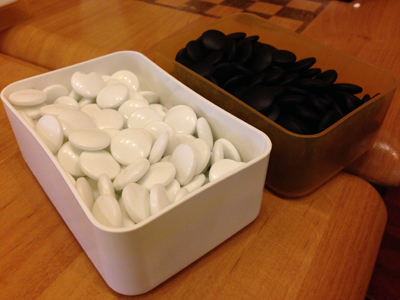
<point>265,46</point>
<point>292,124</point>
<point>336,106</point>
<point>289,79</point>
<point>230,50</point>
<point>238,80</point>
<point>214,57</point>
<point>330,118</point>
<point>244,51</point>
<point>237,36</point>
<point>194,51</point>
<point>310,73</point>
<point>273,75</point>
<point>290,100</point>
<point>318,103</point>
<point>348,87</point>
<point>295,90</point>
<point>224,71</point>
<point>311,84</point>
<point>276,90</point>
<point>256,80</point>
<point>258,97</point>
<point>329,76</point>
<point>243,69</point>
<point>181,53</point>
<point>303,64</point>
<point>253,38</point>
<point>213,39</point>
<point>185,61</point>
<point>307,113</point>
<point>347,101</point>
<point>274,113</point>
<point>366,98</point>
<point>283,58</point>
<point>260,60</point>
<point>201,68</point>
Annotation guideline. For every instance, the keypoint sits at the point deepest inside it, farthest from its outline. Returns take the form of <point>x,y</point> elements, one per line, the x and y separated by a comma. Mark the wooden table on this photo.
<point>321,246</point>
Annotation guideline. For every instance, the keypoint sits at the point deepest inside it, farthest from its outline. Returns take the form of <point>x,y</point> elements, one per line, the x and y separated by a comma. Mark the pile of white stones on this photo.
<point>128,156</point>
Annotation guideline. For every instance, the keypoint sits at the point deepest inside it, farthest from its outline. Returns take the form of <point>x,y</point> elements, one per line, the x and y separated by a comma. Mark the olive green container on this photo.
<point>298,163</point>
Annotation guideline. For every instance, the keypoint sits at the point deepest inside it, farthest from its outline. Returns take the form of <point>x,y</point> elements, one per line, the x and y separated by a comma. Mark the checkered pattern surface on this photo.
<point>292,14</point>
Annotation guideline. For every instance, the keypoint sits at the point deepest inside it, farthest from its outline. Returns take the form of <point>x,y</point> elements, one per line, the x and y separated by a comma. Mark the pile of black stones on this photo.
<point>290,92</point>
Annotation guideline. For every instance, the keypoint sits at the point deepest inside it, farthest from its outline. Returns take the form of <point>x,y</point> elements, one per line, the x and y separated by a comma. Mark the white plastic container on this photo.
<point>133,261</point>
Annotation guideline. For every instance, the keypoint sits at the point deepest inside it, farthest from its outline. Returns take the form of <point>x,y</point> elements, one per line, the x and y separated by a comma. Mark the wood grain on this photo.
<point>65,33</point>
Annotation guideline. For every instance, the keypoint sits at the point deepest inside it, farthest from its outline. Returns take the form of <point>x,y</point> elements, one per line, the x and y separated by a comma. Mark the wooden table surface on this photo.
<point>321,246</point>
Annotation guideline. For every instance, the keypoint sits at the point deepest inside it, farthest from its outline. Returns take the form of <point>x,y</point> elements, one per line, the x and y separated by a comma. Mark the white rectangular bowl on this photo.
<point>133,261</point>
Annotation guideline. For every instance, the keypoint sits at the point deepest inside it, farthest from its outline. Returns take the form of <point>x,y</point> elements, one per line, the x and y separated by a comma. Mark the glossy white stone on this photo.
<point>106,211</point>
<point>177,139</point>
<point>130,144</point>
<point>27,97</point>
<point>204,132</point>
<point>182,193</point>
<point>87,85</point>
<point>66,100</point>
<point>158,198</point>
<point>68,157</point>
<point>129,106</point>
<point>51,132</point>
<point>136,201</point>
<point>141,116</point>
<point>105,185</point>
<point>55,109</point>
<point>161,172</point>
<point>150,96</point>
<point>85,192</point>
<point>196,183</point>
<point>182,119</point>
<point>157,128</point>
<point>95,163</point>
<point>112,96</point>
<point>55,91</point>
<point>184,160</point>
<point>172,188</point>
<point>127,221</point>
<point>131,173</point>
<point>203,154</point>
<point>222,167</point>
<point>217,153</point>
<point>31,111</point>
<point>91,139</point>
<point>108,118</point>
<point>85,101</point>
<point>128,78</point>
<point>158,149</point>
<point>72,119</point>
<point>229,149</point>
<point>90,109</point>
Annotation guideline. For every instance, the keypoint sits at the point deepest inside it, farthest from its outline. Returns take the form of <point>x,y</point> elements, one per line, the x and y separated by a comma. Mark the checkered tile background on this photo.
<point>292,14</point>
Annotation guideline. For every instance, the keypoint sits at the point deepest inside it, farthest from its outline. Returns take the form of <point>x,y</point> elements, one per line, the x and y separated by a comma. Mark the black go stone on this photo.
<point>294,94</point>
